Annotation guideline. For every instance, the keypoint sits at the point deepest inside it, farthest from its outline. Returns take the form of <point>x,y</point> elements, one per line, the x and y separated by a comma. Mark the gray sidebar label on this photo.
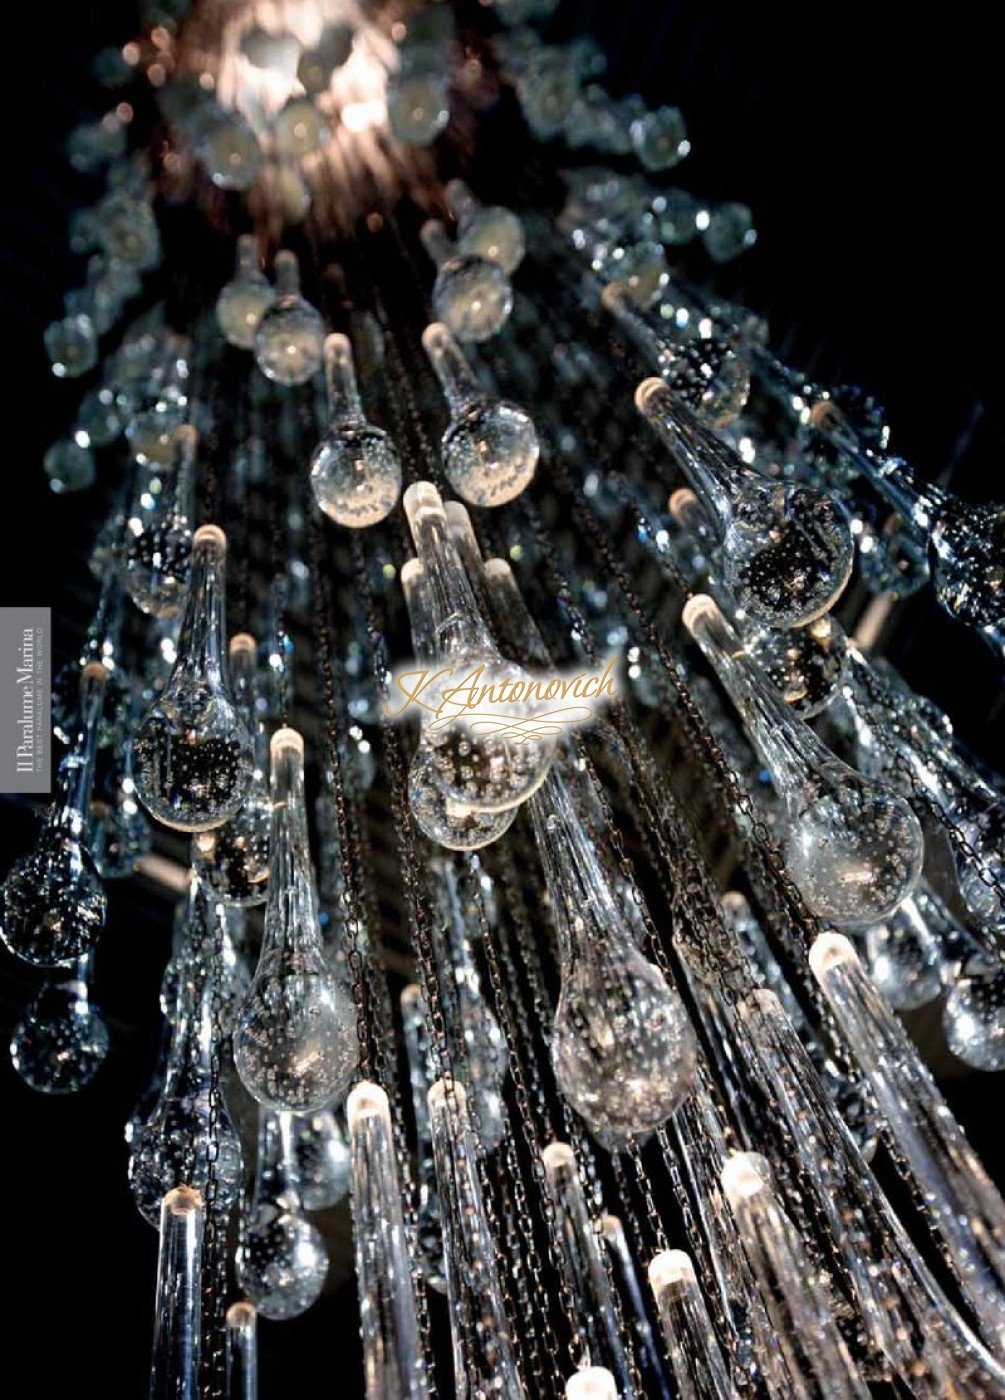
<point>25,699</point>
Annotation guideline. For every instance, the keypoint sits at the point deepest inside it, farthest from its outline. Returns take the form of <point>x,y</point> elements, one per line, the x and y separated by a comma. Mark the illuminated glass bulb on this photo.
<point>99,418</point>
<point>246,297</point>
<point>490,447</point>
<point>289,342</point>
<point>548,91</point>
<point>161,405</point>
<point>966,542</point>
<point>295,1044</point>
<point>72,346</point>
<point>322,1157</point>
<point>660,138</point>
<point>233,859</point>
<point>273,50</point>
<point>317,65</point>
<point>127,230</point>
<point>471,295</point>
<point>61,1040</point>
<point>487,772</point>
<point>728,232</point>
<point>974,1016</point>
<point>488,231</point>
<point>355,469</point>
<point>171,1146</point>
<point>193,752</point>
<point>853,847</point>
<point>697,361</point>
<point>53,903</point>
<point>622,1047</point>
<point>298,128</point>
<point>418,102</point>
<point>229,149</point>
<point>281,1260</point>
<point>787,550</point>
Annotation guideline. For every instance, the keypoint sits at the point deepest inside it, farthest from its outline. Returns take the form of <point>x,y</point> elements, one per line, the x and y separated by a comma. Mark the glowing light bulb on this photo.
<point>193,752</point>
<point>488,231</point>
<point>490,446</point>
<point>295,1044</point>
<point>471,295</point>
<point>246,297</point>
<point>289,341</point>
<point>53,903</point>
<point>355,469</point>
<point>787,550</point>
<point>853,847</point>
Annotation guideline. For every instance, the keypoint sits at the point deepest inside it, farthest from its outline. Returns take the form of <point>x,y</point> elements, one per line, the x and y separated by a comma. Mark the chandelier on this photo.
<point>485,655</point>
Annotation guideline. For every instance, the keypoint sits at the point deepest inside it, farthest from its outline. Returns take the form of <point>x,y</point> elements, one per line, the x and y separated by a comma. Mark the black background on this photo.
<point>867,144</point>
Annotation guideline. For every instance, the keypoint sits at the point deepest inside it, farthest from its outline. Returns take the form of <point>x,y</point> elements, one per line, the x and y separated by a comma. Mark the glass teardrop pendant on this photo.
<point>295,1044</point>
<point>193,752</point>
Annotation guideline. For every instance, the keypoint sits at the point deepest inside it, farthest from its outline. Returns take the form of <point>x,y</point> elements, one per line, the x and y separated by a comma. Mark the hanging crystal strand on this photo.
<point>100,644</point>
<point>701,1145</point>
<point>242,1352</point>
<point>174,1367</point>
<point>484,1358</point>
<point>906,1315</point>
<point>488,773</point>
<point>623,1267</point>
<point>295,1041</point>
<point>417,1048</point>
<point>53,904</point>
<point>894,731</point>
<point>965,540</point>
<point>61,1039</point>
<point>699,363</point>
<point>159,520</point>
<point>281,1262</point>
<point>490,446</point>
<point>472,296</point>
<point>233,859</point>
<point>599,1333</point>
<point>967,1210</point>
<point>120,831</point>
<point>437,814</point>
<point>393,1365</point>
<point>806,1331</point>
<point>852,846</point>
<point>193,751</point>
<point>355,469</point>
<point>160,407</point>
<point>842,1089</point>
<point>622,1047</point>
<point>697,1362</point>
<point>480,1059</point>
<point>171,1147</point>
<point>787,550</point>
